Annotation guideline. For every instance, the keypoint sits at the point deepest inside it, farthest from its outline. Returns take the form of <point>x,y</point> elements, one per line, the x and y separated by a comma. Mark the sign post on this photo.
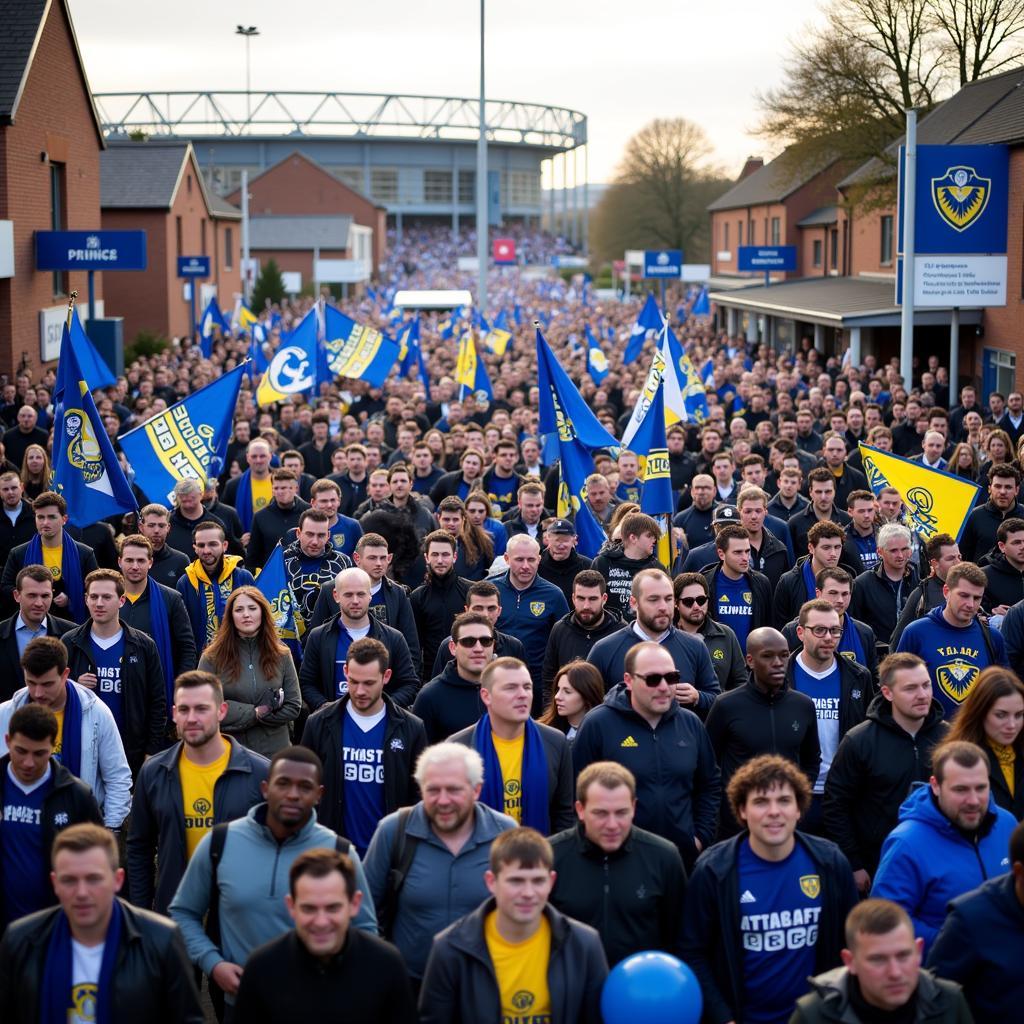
<point>662,265</point>
<point>192,268</point>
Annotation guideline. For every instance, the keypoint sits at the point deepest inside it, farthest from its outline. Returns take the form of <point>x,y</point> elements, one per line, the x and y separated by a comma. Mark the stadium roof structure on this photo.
<point>237,113</point>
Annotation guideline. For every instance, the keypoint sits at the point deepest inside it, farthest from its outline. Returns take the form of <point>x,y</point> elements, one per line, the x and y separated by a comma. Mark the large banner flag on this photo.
<point>470,372</point>
<point>936,501</point>
<point>650,319</point>
<point>597,362</point>
<point>187,441</point>
<point>656,497</point>
<point>85,469</point>
<point>356,350</point>
<point>94,367</point>
<point>565,415</point>
<point>293,367</point>
<point>272,582</point>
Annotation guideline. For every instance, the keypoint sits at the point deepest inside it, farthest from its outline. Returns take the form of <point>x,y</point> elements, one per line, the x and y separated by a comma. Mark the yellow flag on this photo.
<point>465,367</point>
<point>936,501</point>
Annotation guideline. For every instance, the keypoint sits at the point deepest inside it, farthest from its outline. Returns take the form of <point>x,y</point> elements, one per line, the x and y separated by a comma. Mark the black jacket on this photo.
<point>856,690</point>
<point>791,594</point>
<point>404,741</point>
<point>712,941</point>
<point>875,602</point>
<point>851,480</point>
<point>270,525</point>
<point>772,560</point>
<point>761,596</point>
<point>1012,802</point>
<point>749,721</point>
<point>232,523</point>
<point>21,531</point>
<point>924,597</point>
<point>460,986</point>
<point>563,573</point>
<point>157,830</point>
<point>316,676</point>
<point>448,486</point>
<point>434,606</point>
<point>568,641</point>
<point>876,764</point>
<point>353,494</point>
<point>448,704</point>
<point>16,562</point>
<point>726,654</point>
<point>677,777</point>
<point>143,698</point>
<point>12,678</point>
<point>867,641</point>
<point>619,571</point>
<point>183,644</point>
<point>777,509</point>
<point>366,981</point>
<point>69,801</point>
<point>153,979</point>
<point>318,460</point>
<point>801,523</point>
<point>642,887</point>
<point>169,565</point>
<point>560,773</point>
<point>179,536</point>
<point>979,533</point>
<point>696,524</point>
<point>1005,584</point>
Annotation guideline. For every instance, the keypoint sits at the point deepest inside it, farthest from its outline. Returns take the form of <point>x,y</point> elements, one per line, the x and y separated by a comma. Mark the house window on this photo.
<point>739,232</point>
<point>725,236</point>
<point>885,255</point>
<point>467,186</point>
<point>229,248</point>
<point>520,188</point>
<point>776,232</point>
<point>57,220</point>
<point>817,252</point>
<point>833,258</point>
<point>384,184</point>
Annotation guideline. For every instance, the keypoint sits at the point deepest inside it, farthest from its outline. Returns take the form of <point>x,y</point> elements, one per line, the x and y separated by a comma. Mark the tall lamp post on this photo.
<point>248,32</point>
<point>481,186</point>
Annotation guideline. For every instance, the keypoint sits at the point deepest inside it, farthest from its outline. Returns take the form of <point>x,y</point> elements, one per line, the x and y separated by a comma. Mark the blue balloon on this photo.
<point>652,988</point>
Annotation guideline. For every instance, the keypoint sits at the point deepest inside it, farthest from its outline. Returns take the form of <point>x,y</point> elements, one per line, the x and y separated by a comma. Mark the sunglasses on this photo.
<point>655,679</point>
<point>689,602</point>
<point>468,642</point>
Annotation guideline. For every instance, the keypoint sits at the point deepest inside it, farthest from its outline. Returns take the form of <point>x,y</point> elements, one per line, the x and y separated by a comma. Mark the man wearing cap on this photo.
<point>560,561</point>
<point>706,554</point>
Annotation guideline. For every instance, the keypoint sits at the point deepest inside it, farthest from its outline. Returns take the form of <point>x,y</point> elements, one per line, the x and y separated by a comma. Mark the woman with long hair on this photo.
<point>35,472</point>
<point>992,716</point>
<point>475,549</point>
<point>964,461</point>
<point>260,684</point>
<point>478,513</point>
<point>998,449</point>
<point>620,513</point>
<point>577,688</point>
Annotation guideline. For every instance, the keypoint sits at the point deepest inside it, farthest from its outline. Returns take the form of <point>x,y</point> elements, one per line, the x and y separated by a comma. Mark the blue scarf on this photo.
<point>243,500</point>
<point>849,642</point>
<point>809,583</point>
<point>71,740</point>
<point>534,782</point>
<point>161,632</point>
<point>70,570</point>
<point>55,1000</point>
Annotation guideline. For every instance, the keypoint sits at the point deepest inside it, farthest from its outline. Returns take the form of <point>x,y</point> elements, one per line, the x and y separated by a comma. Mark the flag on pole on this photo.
<point>936,501</point>
<point>656,496</point>
<point>85,469</point>
<point>565,415</point>
<point>597,362</point>
<point>272,582</point>
<point>188,441</point>
<point>470,372</point>
<point>356,350</point>
<point>413,354</point>
<point>701,305</point>
<point>293,367</point>
<point>650,319</point>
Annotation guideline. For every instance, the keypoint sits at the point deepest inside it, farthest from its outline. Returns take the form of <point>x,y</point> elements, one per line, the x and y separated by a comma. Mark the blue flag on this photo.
<point>85,469</point>
<point>212,319</point>
<point>292,369</point>
<point>470,372</point>
<point>94,367</point>
<point>272,582</point>
<point>565,415</point>
<point>413,356</point>
<point>356,350</point>
<point>656,497</point>
<point>650,319</point>
<point>187,441</point>
<point>701,305</point>
<point>597,362</point>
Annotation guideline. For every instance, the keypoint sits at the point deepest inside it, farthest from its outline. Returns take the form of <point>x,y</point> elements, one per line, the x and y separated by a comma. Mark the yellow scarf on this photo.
<point>1007,757</point>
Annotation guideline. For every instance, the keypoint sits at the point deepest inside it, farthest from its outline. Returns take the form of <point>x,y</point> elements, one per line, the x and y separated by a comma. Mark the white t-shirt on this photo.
<point>365,722</point>
<point>86,962</point>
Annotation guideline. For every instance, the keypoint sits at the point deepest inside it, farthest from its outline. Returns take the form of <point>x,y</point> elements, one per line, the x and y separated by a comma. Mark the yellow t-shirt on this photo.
<point>510,757</point>
<point>261,493</point>
<point>132,598</point>
<point>522,972</point>
<point>197,782</point>
<point>60,733</point>
<point>52,558</point>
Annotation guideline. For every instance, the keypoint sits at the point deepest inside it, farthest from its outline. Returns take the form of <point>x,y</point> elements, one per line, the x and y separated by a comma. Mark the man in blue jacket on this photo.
<point>981,945</point>
<point>951,838</point>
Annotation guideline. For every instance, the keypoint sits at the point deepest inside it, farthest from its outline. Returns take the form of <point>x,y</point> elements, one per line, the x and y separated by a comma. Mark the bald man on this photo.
<point>25,433</point>
<point>322,677</point>
<point>762,717</point>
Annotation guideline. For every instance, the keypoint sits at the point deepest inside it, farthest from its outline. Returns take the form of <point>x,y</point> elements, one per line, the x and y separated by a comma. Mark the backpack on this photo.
<point>403,850</point>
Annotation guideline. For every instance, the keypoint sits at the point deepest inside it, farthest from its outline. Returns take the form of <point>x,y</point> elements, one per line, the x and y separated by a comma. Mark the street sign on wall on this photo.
<point>90,250</point>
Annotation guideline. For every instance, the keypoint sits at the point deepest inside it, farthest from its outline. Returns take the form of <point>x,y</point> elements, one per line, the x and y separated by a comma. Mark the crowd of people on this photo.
<point>491,767</point>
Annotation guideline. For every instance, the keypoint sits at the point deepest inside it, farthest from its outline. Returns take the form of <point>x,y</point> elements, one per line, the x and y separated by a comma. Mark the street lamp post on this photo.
<point>248,32</point>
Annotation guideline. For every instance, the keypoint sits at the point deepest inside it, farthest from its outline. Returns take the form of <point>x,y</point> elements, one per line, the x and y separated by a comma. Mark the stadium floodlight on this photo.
<point>247,32</point>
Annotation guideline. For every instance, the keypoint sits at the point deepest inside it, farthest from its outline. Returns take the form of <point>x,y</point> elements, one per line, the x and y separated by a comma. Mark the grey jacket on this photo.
<point>440,887</point>
<point>265,735</point>
<point>460,985</point>
<point>252,879</point>
<point>938,1001</point>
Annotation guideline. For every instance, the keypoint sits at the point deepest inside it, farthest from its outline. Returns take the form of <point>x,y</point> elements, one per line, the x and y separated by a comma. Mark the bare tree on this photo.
<point>980,36</point>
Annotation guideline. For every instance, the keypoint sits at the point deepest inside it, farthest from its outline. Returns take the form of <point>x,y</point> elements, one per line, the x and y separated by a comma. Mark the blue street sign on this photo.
<point>767,257</point>
<point>90,250</point>
<point>193,266</point>
<point>663,263</point>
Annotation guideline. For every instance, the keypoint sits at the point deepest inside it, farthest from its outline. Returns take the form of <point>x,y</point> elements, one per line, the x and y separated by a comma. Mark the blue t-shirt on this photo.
<point>363,766</point>
<point>108,657</point>
<point>826,691</point>
<point>502,493</point>
<point>628,492</point>
<point>378,609</point>
<point>867,549</point>
<point>23,862</point>
<point>345,639</point>
<point>345,534</point>
<point>780,907</point>
<point>734,604</point>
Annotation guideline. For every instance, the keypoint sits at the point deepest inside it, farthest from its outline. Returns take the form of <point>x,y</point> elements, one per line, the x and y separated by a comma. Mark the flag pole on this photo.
<point>71,307</point>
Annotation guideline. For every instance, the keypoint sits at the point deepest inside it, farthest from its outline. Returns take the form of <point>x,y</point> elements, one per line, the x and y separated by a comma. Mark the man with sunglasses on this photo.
<point>451,701</point>
<point>840,688</point>
<point>642,727</point>
<point>691,590</point>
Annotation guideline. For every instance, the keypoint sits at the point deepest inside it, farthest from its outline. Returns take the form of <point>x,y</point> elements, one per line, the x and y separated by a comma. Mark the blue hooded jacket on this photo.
<point>927,861</point>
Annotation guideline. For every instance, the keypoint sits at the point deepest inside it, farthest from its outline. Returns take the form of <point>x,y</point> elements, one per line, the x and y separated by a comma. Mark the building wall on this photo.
<point>54,117</point>
<point>805,250</point>
<point>863,228</point>
<point>226,260</point>
<point>300,260</point>
<point>140,295</point>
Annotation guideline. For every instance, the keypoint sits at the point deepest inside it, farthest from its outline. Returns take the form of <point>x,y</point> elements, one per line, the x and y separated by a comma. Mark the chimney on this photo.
<point>754,163</point>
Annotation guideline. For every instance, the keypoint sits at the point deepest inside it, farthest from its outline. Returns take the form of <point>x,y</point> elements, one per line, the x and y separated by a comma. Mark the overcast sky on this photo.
<point>620,63</point>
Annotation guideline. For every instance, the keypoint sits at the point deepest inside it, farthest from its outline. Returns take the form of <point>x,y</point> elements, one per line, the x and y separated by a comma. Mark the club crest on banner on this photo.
<point>960,196</point>
<point>291,371</point>
<point>83,449</point>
